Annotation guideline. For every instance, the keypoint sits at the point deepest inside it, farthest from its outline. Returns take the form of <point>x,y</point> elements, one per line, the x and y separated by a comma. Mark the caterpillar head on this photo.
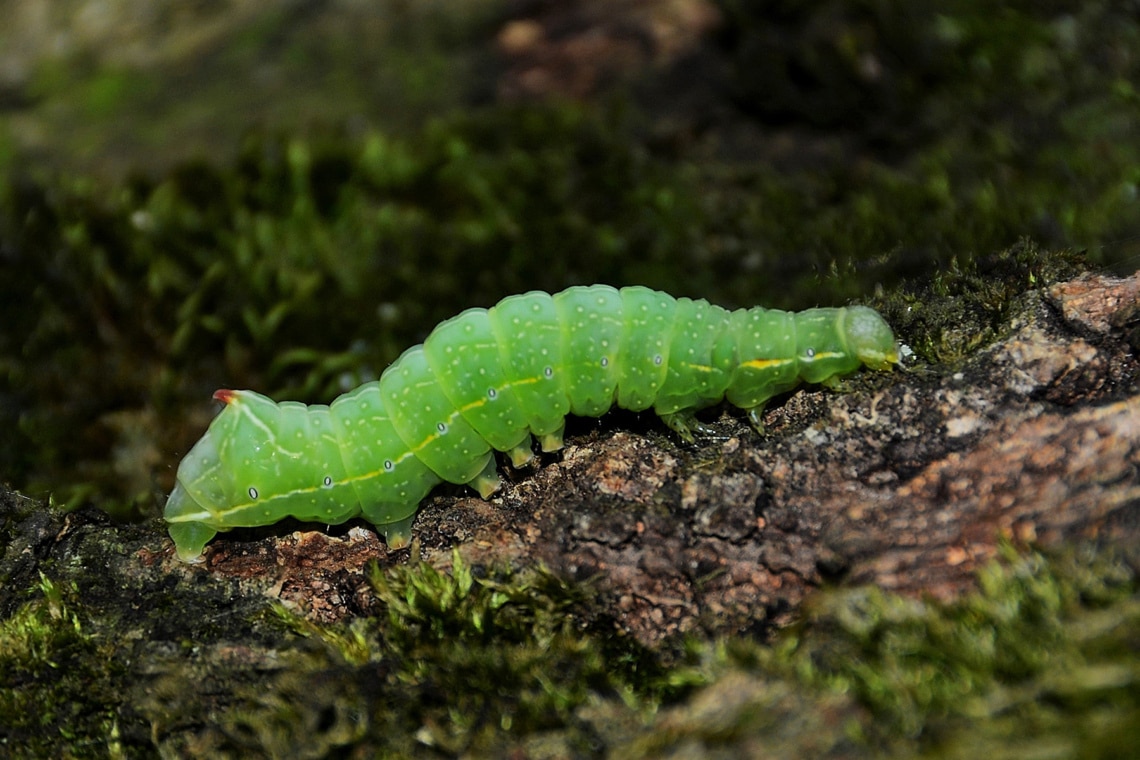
<point>870,338</point>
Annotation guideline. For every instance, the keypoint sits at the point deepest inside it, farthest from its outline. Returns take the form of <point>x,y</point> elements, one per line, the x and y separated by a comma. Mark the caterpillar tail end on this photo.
<point>190,536</point>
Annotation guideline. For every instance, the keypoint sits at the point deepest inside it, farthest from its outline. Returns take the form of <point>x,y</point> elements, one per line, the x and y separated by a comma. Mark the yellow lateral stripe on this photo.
<point>767,363</point>
<point>483,400</point>
<point>473,405</point>
<point>825,355</point>
<point>434,436</point>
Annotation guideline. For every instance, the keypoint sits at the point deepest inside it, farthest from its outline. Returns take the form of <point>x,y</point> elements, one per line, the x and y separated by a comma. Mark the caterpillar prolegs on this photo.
<point>490,379</point>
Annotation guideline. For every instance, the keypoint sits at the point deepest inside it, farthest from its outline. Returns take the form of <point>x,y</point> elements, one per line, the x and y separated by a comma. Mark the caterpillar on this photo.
<point>493,380</point>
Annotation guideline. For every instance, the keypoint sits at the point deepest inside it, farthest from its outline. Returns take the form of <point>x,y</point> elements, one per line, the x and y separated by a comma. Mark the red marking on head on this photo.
<point>225,395</point>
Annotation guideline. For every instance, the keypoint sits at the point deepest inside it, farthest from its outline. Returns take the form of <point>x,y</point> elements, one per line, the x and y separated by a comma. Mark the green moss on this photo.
<point>56,697</point>
<point>1040,662</point>
<point>1041,657</point>
<point>1045,645</point>
<point>944,318</point>
<point>461,662</point>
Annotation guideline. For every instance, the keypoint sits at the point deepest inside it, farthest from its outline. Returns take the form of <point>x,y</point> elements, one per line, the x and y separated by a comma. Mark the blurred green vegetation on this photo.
<point>872,150</point>
<point>303,269</point>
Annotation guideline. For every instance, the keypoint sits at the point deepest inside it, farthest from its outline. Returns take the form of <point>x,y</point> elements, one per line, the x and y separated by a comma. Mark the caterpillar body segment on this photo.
<point>495,379</point>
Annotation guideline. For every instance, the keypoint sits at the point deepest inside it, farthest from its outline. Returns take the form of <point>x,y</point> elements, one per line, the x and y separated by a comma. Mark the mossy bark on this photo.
<point>909,483</point>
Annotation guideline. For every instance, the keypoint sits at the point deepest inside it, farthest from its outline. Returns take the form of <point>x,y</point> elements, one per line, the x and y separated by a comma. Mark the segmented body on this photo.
<point>490,379</point>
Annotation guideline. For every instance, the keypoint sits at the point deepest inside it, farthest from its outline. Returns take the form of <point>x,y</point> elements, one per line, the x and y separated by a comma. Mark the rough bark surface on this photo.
<point>907,481</point>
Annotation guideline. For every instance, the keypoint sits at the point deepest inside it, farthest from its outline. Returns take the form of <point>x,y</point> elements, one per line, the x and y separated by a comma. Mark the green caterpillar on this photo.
<point>490,379</point>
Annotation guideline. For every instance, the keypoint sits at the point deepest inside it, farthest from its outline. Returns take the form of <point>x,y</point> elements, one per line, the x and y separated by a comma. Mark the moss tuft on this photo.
<point>1039,662</point>
<point>55,690</point>
<point>945,318</point>
<point>1045,645</point>
<point>462,661</point>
